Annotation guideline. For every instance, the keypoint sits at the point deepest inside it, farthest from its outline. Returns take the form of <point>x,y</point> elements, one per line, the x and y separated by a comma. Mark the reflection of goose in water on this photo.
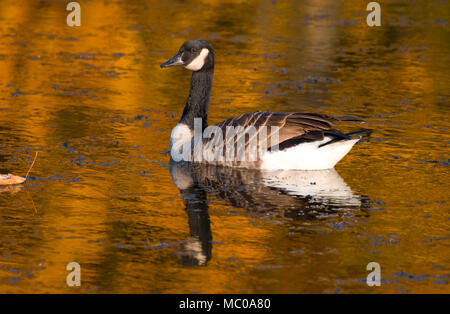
<point>197,249</point>
<point>286,193</point>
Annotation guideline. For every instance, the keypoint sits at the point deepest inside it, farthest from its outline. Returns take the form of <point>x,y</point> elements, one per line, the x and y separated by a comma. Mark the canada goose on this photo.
<point>304,141</point>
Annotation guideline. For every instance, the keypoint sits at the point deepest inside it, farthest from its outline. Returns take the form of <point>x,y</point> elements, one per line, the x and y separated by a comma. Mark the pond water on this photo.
<point>94,103</point>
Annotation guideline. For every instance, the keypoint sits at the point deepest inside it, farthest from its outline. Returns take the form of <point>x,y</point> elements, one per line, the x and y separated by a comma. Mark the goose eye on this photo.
<point>193,50</point>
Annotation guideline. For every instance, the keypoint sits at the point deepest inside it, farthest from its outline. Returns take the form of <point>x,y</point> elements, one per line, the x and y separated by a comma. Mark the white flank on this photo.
<point>199,61</point>
<point>308,156</point>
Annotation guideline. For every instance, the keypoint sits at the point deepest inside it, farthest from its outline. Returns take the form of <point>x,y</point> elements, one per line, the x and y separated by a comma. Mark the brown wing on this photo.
<point>293,128</point>
<point>290,125</point>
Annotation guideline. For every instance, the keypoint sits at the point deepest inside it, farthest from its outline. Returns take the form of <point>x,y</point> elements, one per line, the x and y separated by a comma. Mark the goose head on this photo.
<point>194,55</point>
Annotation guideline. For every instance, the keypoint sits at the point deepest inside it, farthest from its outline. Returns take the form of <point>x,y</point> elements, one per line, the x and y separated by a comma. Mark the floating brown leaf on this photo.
<point>10,179</point>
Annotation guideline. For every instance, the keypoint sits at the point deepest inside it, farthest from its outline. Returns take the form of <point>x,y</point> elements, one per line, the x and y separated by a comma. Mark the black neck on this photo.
<point>197,104</point>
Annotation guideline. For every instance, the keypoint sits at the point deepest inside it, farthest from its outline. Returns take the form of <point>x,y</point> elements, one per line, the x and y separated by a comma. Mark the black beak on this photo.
<point>176,60</point>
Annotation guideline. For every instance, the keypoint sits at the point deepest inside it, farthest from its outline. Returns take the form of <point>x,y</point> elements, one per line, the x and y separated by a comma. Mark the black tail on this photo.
<point>360,134</point>
<point>349,136</point>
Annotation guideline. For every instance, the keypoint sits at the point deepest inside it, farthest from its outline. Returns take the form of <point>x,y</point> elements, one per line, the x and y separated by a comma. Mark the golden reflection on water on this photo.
<point>93,101</point>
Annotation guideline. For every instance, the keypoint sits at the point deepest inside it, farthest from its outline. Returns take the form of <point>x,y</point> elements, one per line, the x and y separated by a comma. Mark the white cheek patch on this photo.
<point>199,61</point>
